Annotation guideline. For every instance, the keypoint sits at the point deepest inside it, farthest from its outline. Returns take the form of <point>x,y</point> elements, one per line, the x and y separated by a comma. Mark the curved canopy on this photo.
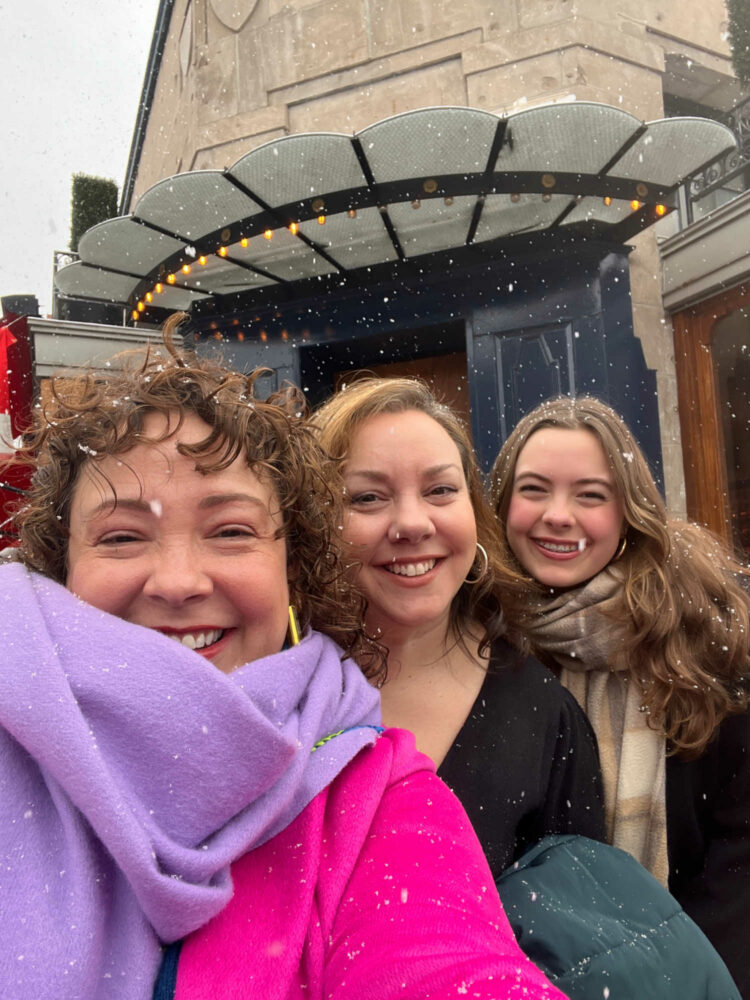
<point>313,205</point>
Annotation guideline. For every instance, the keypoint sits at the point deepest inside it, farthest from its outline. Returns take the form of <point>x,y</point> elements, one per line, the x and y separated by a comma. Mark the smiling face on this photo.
<point>410,520</point>
<point>565,519</point>
<point>189,554</point>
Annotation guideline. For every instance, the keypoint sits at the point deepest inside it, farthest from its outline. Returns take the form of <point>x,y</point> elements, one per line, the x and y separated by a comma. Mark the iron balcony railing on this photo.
<point>724,179</point>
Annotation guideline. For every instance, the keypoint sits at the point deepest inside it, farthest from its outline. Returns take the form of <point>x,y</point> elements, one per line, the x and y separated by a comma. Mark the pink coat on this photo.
<point>378,890</point>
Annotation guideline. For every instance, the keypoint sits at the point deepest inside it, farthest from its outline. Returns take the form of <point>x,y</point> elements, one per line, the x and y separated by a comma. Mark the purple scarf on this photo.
<point>132,774</point>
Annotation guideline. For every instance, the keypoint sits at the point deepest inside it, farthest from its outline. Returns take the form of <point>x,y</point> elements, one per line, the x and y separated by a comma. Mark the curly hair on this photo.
<point>93,415</point>
<point>475,604</point>
<point>683,607</point>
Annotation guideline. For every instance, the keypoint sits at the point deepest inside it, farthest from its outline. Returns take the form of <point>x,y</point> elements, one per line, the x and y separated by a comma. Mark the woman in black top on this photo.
<point>504,734</point>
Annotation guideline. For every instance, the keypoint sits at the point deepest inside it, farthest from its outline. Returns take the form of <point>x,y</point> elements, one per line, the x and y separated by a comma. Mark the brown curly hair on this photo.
<point>684,611</point>
<point>475,604</point>
<point>100,414</point>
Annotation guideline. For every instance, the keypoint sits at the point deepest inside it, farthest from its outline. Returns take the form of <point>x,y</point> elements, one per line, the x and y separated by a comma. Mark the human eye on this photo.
<point>531,490</point>
<point>593,496</point>
<point>443,491</point>
<point>241,531</point>
<point>114,539</point>
<point>367,498</point>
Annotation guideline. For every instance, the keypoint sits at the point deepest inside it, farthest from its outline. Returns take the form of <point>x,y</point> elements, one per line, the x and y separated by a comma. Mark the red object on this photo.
<point>16,395</point>
<point>6,340</point>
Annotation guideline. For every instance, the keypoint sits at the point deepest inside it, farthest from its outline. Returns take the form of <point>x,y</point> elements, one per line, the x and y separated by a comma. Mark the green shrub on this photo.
<point>94,199</point>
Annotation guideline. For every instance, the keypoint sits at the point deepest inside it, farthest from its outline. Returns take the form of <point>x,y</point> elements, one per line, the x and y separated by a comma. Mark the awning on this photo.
<point>322,205</point>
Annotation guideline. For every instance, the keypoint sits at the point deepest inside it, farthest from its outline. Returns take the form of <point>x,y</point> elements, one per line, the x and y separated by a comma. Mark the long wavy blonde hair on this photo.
<point>683,606</point>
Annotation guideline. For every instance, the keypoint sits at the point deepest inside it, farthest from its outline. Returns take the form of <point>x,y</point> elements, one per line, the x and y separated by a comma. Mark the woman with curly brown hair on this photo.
<point>510,741</point>
<point>645,619</point>
<point>197,797</point>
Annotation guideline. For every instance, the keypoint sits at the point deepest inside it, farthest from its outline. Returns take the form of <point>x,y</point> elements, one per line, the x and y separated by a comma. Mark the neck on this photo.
<point>430,650</point>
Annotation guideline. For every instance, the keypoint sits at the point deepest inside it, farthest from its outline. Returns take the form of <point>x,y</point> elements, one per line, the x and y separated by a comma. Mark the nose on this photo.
<point>557,512</point>
<point>176,575</point>
<point>411,521</point>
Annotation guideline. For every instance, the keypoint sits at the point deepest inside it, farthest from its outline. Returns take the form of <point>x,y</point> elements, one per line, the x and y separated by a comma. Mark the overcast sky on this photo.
<point>72,72</point>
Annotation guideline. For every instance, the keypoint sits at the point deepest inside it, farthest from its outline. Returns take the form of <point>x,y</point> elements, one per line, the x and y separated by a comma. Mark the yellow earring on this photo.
<point>293,632</point>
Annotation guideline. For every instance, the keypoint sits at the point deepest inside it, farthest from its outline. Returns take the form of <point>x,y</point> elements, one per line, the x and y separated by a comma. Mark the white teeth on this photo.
<point>198,640</point>
<point>411,569</point>
<point>563,547</point>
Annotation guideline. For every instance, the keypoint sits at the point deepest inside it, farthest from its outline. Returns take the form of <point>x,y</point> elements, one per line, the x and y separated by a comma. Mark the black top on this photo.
<point>525,763</point>
<point>708,842</point>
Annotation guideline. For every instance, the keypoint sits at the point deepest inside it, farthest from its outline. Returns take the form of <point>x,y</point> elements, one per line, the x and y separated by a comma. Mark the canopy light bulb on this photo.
<point>134,314</point>
<point>171,279</point>
<point>222,251</point>
<point>149,297</point>
<point>268,234</point>
<point>321,220</point>
<point>244,242</point>
<point>203,260</point>
<point>293,227</point>
<point>661,210</point>
<point>635,204</point>
<point>352,213</point>
<point>141,306</point>
<point>186,269</point>
<point>158,288</point>
<point>607,200</point>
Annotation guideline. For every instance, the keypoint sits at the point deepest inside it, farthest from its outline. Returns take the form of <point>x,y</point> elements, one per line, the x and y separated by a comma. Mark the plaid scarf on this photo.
<point>596,666</point>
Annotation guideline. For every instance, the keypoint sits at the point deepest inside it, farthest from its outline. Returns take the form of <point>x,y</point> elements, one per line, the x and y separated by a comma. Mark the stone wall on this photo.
<point>237,73</point>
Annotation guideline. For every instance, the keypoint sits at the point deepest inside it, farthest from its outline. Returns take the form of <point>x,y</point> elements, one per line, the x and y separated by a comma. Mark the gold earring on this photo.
<point>620,548</point>
<point>293,631</point>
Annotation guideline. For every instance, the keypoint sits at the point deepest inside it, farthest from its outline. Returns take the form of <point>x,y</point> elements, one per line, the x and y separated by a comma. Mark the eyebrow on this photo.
<point>376,474</point>
<point>144,506</point>
<point>588,481</point>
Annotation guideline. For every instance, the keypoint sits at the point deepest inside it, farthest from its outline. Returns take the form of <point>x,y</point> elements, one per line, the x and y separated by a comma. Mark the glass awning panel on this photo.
<point>298,167</point>
<point>125,245</point>
<point>419,183</point>
<point>194,205</point>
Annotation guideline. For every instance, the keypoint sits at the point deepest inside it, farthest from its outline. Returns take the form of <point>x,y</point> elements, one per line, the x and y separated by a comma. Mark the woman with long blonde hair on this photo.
<point>646,619</point>
<point>424,549</point>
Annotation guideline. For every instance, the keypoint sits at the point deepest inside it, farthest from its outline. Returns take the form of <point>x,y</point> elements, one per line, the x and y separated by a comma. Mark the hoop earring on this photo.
<point>293,630</point>
<point>483,573</point>
<point>620,548</point>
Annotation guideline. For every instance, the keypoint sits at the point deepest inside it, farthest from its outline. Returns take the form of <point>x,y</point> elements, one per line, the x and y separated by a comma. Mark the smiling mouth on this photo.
<point>411,569</point>
<point>197,640</point>
<point>562,547</point>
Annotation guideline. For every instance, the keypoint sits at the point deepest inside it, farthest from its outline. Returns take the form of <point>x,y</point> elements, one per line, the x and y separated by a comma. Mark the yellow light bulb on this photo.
<point>635,204</point>
<point>661,209</point>
<point>268,234</point>
<point>203,260</point>
<point>222,251</point>
<point>321,220</point>
<point>293,227</point>
<point>171,279</point>
<point>141,306</point>
<point>244,241</point>
<point>158,288</point>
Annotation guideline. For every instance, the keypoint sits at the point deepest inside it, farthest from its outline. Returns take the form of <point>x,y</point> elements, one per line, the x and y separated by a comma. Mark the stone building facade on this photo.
<point>229,75</point>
